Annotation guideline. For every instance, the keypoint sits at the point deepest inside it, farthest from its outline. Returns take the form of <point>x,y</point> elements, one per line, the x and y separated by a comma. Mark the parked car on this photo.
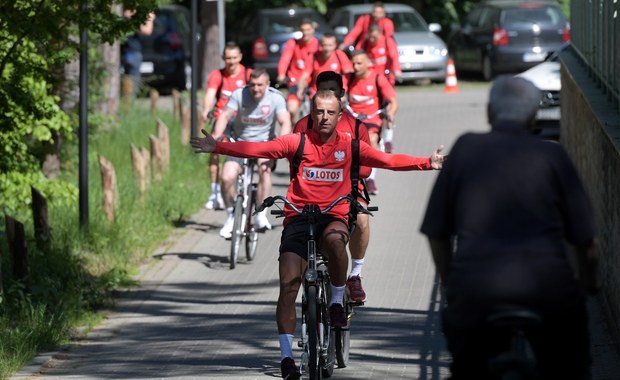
<point>422,54</point>
<point>166,62</point>
<point>546,76</point>
<point>507,36</point>
<point>262,35</point>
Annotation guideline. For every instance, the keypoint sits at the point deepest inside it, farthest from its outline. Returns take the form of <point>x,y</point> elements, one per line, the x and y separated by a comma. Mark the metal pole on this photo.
<point>194,48</point>
<point>221,26</point>
<point>83,129</point>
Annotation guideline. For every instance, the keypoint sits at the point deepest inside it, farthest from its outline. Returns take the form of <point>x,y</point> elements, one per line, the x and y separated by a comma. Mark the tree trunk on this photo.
<point>42,230</point>
<point>17,246</point>
<point>112,84</point>
<point>211,40</point>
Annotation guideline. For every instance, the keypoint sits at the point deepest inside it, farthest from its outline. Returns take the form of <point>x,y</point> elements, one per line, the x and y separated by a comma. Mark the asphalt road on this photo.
<point>194,318</point>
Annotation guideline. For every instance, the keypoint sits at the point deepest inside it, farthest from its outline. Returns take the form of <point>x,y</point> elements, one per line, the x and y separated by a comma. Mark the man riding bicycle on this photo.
<point>257,107</point>
<point>323,175</point>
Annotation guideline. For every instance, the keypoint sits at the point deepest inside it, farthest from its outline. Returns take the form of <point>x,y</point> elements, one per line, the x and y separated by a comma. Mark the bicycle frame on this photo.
<point>243,226</point>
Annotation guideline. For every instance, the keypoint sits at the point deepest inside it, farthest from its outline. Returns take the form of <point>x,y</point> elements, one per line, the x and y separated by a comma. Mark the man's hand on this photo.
<point>203,144</point>
<point>438,159</point>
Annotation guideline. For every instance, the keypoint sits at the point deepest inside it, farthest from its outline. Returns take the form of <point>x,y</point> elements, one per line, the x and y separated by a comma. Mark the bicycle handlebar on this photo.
<point>270,201</point>
<point>381,111</point>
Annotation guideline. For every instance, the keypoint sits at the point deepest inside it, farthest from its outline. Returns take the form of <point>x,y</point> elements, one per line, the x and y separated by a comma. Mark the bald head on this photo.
<point>513,99</point>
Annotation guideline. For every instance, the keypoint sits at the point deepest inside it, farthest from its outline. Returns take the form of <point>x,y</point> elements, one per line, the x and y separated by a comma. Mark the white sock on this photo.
<point>356,267</point>
<point>286,346</point>
<point>213,187</point>
<point>337,294</point>
<point>229,211</point>
<point>389,135</point>
<point>217,188</point>
<point>372,173</point>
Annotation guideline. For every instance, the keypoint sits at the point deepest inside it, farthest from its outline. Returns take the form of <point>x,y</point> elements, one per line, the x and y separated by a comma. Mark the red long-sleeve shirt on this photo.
<point>296,58</point>
<point>358,34</point>
<point>324,172</point>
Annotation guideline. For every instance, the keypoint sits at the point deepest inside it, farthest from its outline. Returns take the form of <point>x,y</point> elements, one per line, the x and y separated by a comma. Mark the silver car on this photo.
<point>422,54</point>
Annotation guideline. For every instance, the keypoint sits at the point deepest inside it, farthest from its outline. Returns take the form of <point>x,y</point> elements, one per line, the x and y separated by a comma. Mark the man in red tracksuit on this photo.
<point>323,175</point>
<point>359,33</point>
<point>383,54</point>
<point>296,59</point>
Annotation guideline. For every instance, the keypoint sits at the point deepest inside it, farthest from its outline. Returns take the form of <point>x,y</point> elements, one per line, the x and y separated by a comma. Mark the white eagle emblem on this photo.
<point>239,83</point>
<point>265,109</point>
<point>339,155</point>
<point>369,87</point>
<point>334,66</point>
<point>381,51</point>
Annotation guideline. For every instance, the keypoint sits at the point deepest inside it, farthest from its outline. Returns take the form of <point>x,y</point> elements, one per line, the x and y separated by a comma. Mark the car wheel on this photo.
<point>487,69</point>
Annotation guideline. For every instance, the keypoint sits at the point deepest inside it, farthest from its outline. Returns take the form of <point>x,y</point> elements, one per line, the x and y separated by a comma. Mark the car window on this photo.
<point>487,18</point>
<point>541,15</point>
<point>340,19</point>
<point>162,24</point>
<point>407,22</point>
<point>182,23</point>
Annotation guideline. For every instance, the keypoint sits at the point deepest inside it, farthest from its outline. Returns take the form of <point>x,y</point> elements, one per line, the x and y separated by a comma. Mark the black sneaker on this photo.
<point>289,369</point>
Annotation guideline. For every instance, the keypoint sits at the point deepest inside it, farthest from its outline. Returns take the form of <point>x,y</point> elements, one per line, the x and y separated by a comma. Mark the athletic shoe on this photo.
<point>387,146</point>
<point>289,369</point>
<point>226,231</point>
<point>354,287</point>
<point>371,187</point>
<point>337,317</point>
<point>215,202</point>
<point>261,222</point>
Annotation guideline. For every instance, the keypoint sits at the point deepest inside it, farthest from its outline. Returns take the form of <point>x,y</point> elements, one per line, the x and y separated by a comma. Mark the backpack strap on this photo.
<point>298,155</point>
<point>355,166</point>
<point>219,88</point>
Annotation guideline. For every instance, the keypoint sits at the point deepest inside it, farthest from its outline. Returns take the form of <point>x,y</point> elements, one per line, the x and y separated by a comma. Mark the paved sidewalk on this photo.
<point>194,318</point>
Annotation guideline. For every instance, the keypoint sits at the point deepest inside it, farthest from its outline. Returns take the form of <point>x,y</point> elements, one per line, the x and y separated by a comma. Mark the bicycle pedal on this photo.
<point>357,303</point>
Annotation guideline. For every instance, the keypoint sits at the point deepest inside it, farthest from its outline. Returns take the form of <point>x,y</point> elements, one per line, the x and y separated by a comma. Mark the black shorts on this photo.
<point>295,234</point>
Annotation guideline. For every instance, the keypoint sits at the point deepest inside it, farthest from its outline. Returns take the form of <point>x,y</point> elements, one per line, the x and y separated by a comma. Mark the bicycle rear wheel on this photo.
<point>251,237</point>
<point>328,357</point>
<point>314,369</point>
<point>342,339</point>
<point>237,232</point>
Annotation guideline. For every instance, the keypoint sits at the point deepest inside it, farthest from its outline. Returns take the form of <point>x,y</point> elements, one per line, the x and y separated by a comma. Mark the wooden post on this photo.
<point>156,158</point>
<point>164,138</point>
<point>176,104</point>
<point>40,218</point>
<point>17,248</point>
<point>110,189</point>
<point>186,126</point>
<point>154,96</point>
<point>140,167</point>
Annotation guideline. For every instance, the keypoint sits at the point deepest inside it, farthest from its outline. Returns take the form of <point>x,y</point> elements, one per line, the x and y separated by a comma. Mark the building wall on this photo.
<point>590,132</point>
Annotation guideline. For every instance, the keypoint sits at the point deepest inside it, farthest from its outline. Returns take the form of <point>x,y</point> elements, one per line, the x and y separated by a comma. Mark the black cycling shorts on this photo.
<point>295,234</point>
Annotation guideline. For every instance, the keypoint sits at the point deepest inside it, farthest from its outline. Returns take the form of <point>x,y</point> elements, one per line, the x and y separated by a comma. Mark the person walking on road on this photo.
<point>220,86</point>
<point>497,221</point>
<point>257,107</point>
<point>325,150</point>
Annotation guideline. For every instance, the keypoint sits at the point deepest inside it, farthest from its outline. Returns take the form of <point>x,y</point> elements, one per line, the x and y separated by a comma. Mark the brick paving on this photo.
<point>193,318</point>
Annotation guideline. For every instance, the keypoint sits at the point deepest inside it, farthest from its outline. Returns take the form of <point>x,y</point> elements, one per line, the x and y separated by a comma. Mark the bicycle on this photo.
<point>519,362</point>
<point>322,345</point>
<point>243,226</point>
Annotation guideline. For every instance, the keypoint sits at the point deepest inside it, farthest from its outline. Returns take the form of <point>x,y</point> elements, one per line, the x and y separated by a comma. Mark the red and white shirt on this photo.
<point>226,84</point>
<point>338,62</point>
<point>324,172</point>
<point>358,34</point>
<point>382,55</point>
<point>364,98</point>
<point>296,58</point>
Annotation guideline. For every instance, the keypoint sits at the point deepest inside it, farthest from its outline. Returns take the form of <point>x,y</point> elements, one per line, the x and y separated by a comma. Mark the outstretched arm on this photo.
<point>400,162</point>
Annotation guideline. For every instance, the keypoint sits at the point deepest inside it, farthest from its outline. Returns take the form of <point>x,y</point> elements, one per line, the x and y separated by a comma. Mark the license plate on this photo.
<point>146,67</point>
<point>412,66</point>
<point>548,113</point>
<point>534,57</point>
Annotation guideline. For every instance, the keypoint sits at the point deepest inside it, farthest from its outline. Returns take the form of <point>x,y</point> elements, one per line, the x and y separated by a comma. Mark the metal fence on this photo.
<point>595,34</point>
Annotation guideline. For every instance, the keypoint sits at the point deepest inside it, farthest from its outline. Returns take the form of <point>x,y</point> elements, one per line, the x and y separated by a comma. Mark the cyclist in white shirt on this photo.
<point>257,106</point>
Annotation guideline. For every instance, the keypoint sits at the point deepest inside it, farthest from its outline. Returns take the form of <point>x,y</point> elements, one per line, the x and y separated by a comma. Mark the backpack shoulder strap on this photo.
<point>219,88</point>
<point>379,93</point>
<point>355,166</point>
<point>298,155</point>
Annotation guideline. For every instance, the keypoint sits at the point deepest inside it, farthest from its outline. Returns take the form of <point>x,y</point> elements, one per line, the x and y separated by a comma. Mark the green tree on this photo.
<point>37,38</point>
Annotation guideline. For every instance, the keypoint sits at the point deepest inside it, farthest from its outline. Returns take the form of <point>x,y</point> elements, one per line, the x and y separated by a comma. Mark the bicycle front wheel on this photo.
<point>342,339</point>
<point>237,232</point>
<point>314,369</point>
<point>251,237</point>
